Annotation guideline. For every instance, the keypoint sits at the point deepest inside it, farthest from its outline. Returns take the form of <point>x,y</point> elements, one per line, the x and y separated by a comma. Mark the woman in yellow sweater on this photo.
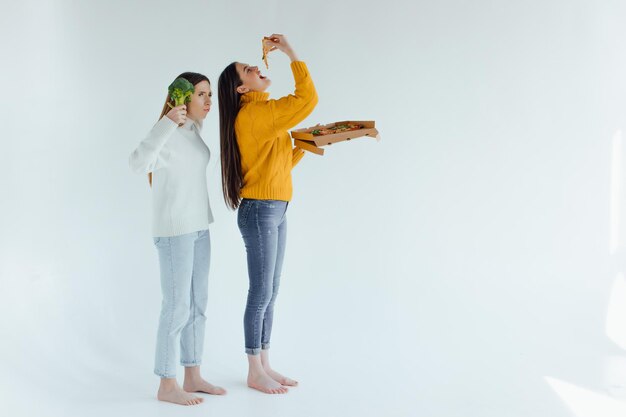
<point>257,157</point>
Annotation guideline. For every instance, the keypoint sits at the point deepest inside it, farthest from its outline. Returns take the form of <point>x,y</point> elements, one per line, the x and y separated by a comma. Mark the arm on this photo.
<point>290,110</point>
<point>147,157</point>
<point>297,155</point>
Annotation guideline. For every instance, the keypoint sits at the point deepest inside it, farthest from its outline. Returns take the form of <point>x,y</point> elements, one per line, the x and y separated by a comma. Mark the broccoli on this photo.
<point>180,91</point>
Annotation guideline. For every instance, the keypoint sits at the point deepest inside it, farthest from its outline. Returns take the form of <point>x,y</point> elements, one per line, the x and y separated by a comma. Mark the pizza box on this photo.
<point>305,139</point>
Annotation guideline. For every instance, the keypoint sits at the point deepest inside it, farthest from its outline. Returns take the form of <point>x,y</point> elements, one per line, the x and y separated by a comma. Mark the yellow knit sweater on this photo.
<point>267,154</point>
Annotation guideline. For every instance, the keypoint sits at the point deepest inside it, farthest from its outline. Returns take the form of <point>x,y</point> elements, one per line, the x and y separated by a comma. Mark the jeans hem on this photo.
<point>164,375</point>
<point>265,346</point>
<point>253,351</point>
<point>190,364</point>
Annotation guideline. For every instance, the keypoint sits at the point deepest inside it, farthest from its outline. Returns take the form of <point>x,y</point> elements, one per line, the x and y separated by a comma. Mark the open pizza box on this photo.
<point>313,138</point>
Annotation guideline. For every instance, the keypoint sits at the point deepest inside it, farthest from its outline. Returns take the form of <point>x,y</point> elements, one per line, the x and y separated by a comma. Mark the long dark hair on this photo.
<point>228,98</point>
<point>194,78</point>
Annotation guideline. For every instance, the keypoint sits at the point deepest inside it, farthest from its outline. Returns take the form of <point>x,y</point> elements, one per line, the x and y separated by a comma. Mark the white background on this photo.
<point>462,266</point>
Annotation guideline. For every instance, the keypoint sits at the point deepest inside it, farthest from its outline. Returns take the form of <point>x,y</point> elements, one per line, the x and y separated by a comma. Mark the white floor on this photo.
<point>410,367</point>
<point>479,390</point>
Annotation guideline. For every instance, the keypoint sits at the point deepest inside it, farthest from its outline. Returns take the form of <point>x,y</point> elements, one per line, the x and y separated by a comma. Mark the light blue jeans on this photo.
<point>263,226</point>
<point>184,262</point>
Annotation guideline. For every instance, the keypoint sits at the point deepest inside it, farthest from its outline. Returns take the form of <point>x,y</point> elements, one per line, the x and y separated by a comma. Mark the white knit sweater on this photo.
<point>177,158</point>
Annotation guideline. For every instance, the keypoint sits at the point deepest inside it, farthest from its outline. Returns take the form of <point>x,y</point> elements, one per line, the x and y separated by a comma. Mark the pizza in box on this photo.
<point>312,138</point>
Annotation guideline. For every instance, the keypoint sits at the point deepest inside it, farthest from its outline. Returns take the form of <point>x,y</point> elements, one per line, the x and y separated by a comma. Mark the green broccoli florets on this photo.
<point>180,91</point>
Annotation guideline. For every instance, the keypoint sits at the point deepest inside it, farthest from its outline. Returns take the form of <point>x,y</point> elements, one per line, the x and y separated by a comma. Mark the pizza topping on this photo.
<point>346,127</point>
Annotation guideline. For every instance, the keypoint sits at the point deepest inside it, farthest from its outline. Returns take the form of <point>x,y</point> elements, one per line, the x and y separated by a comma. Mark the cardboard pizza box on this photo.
<point>305,139</point>
<point>308,146</point>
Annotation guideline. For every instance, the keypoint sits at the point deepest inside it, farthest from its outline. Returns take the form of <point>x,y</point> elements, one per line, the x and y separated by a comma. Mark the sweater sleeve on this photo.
<point>297,155</point>
<point>149,156</point>
<point>290,110</point>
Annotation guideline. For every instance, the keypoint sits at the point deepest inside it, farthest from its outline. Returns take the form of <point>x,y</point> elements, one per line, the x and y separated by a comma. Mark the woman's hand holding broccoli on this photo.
<point>180,92</point>
<point>178,115</point>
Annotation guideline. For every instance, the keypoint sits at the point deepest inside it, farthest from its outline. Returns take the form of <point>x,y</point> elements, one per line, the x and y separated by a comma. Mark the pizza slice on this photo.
<point>266,49</point>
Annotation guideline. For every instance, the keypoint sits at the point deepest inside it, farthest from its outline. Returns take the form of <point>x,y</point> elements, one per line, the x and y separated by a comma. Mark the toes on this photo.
<point>268,389</point>
<point>195,401</point>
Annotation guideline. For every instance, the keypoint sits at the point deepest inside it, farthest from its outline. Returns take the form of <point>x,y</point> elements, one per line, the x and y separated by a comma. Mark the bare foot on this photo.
<point>202,386</point>
<point>176,395</point>
<point>264,383</point>
<point>281,379</point>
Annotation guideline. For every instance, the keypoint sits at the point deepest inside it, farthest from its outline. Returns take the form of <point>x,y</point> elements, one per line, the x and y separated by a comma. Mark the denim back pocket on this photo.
<point>243,213</point>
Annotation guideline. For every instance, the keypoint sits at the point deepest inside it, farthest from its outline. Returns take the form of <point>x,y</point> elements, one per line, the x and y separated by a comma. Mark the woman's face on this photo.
<point>251,78</point>
<point>200,103</point>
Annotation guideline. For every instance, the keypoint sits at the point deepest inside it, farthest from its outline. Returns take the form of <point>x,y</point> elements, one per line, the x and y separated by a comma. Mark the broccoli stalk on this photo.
<point>180,91</point>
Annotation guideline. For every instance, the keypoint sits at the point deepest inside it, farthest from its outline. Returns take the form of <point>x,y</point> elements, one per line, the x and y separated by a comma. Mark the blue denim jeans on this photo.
<point>184,262</point>
<point>263,226</point>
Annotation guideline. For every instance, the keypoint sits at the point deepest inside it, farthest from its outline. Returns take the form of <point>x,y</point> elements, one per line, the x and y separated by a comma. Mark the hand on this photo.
<point>277,41</point>
<point>178,115</point>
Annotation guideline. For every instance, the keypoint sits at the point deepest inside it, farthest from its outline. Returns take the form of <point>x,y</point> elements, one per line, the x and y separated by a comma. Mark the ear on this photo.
<point>242,90</point>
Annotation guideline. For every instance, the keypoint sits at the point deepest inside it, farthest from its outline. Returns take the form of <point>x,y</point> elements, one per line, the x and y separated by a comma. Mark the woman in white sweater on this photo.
<point>175,157</point>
